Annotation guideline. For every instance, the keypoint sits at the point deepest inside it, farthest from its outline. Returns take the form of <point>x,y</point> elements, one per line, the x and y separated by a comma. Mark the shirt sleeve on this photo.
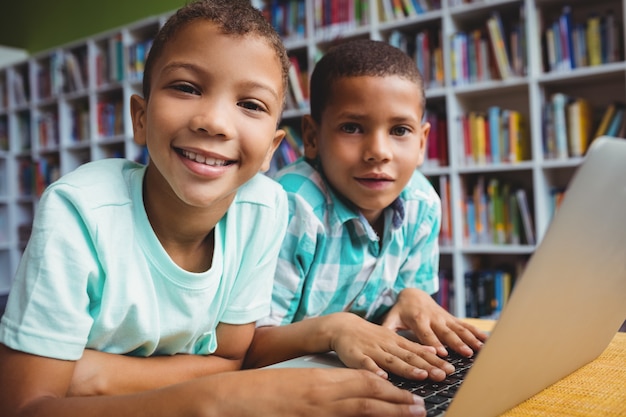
<point>261,234</point>
<point>421,268</point>
<point>48,309</point>
<point>294,263</point>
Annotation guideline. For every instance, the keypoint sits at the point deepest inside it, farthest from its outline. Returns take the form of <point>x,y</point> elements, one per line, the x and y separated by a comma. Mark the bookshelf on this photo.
<point>63,107</point>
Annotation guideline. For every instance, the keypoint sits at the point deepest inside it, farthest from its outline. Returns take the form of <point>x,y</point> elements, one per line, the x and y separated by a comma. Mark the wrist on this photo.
<point>334,327</point>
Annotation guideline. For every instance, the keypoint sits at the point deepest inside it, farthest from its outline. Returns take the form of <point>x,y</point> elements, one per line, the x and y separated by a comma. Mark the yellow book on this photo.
<point>606,120</point>
<point>481,139</point>
<point>438,53</point>
<point>579,115</point>
<point>523,142</point>
<point>594,43</point>
<point>473,136</point>
<point>514,133</point>
<point>494,29</point>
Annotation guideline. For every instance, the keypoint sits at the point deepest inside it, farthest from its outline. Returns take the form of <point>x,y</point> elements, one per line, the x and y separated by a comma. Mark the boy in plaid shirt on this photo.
<point>362,240</point>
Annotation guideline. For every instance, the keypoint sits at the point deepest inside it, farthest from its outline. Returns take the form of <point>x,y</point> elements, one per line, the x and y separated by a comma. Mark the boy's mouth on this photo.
<point>374,177</point>
<point>201,159</point>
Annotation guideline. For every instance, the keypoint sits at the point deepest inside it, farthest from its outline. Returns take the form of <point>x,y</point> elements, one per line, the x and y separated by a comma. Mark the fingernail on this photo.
<point>417,410</point>
<point>382,374</point>
<point>438,373</point>
<point>417,400</point>
<point>449,368</point>
<point>419,373</point>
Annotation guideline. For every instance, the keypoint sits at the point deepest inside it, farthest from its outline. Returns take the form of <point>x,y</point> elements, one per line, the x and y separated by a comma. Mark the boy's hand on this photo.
<point>364,345</point>
<point>417,311</point>
<point>310,393</point>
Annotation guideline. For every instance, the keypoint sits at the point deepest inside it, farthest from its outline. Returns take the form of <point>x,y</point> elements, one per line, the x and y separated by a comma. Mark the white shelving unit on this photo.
<point>53,126</point>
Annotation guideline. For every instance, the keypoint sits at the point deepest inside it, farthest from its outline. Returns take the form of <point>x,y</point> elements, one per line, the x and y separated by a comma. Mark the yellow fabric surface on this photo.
<point>596,389</point>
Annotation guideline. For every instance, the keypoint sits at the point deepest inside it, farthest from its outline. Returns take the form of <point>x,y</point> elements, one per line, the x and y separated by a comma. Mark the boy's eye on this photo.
<point>186,88</point>
<point>251,105</point>
<point>399,131</point>
<point>350,128</point>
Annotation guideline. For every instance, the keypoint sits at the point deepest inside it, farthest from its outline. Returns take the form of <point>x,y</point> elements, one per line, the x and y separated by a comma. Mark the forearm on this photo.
<point>274,344</point>
<point>193,398</point>
<point>111,374</point>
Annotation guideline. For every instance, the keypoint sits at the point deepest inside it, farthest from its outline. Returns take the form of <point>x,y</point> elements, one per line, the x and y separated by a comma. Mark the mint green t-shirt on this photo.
<point>94,275</point>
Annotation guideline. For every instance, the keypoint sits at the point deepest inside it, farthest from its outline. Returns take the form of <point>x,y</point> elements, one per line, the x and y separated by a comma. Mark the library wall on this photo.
<point>40,25</point>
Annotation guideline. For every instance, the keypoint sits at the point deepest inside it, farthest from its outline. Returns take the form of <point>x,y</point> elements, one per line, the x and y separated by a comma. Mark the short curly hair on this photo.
<point>233,17</point>
<point>355,58</point>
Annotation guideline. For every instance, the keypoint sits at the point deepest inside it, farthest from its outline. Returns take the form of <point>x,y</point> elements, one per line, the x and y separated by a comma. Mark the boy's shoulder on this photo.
<point>99,176</point>
<point>298,175</point>
<point>419,188</point>
<point>261,190</point>
<point>102,183</point>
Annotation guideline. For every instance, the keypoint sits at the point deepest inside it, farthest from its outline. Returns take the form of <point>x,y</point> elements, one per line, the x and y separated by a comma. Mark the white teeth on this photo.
<point>202,160</point>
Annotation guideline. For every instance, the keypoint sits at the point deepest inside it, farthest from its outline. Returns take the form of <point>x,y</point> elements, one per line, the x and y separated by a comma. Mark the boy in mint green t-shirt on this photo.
<point>140,285</point>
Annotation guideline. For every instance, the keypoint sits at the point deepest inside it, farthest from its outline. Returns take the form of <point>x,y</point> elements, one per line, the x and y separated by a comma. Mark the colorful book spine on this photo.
<point>559,104</point>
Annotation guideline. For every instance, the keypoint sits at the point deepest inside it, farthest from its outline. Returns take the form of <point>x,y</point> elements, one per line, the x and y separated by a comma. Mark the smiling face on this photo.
<point>370,139</point>
<point>210,122</point>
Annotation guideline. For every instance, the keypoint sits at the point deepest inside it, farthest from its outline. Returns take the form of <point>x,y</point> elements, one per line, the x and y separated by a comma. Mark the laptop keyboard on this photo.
<point>438,395</point>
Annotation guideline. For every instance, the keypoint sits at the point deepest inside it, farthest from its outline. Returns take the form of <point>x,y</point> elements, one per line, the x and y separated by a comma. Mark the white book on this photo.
<point>527,221</point>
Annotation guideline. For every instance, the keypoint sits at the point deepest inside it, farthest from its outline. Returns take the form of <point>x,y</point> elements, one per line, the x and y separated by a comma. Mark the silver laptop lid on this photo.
<point>571,299</point>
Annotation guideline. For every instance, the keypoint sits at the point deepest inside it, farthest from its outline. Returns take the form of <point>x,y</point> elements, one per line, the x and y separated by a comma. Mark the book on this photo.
<point>565,27</point>
<point>550,49</point>
<point>616,122</point>
<point>481,138</point>
<point>606,119</point>
<point>594,43</point>
<point>559,104</point>
<point>387,10</point>
<point>496,34</point>
<point>579,114</point>
<point>516,153</point>
<point>482,211</point>
<point>76,81</point>
<point>498,227</point>
<point>294,140</point>
<point>527,221</point>
<point>295,83</point>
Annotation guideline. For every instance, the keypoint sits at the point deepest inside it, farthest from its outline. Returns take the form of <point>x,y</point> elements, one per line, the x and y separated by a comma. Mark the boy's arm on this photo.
<point>99,373</point>
<point>414,308</point>
<point>357,342</point>
<point>34,386</point>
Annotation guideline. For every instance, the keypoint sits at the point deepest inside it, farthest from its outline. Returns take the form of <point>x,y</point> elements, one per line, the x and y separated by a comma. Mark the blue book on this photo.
<point>499,294</point>
<point>471,221</point>
<point>616,122</point>
<point>565,24</point>
<point>417,6</point>
<point>493,117</point>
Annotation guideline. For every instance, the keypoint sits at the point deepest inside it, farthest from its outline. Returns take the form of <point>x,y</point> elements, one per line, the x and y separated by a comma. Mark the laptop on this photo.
<point>566,306</point>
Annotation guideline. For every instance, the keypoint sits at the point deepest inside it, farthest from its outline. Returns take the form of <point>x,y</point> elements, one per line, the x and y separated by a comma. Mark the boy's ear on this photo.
<point>278,137</point>
<point>425,130</point>
<point>138,115</point>
<point>309,136</point>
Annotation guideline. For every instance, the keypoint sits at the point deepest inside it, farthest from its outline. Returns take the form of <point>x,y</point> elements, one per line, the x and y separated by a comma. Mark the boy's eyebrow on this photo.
<point>175,65</point>
<point>364,116</point>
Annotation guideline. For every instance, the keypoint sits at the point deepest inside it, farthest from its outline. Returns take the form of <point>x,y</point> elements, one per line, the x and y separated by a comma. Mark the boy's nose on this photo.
<point>212,119</point>
<point>378,147</point>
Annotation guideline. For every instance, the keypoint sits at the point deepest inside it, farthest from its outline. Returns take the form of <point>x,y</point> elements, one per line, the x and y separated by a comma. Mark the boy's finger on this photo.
<point>369,407</point>
<point>417,364</point>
